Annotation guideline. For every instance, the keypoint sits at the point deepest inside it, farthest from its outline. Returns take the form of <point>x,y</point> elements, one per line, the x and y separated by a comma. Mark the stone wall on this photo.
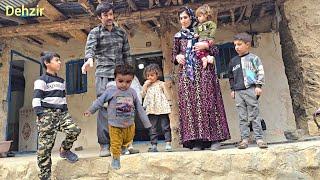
<point>26,49</point>
<point>300,40</point>
<point>4,79</point>
<point>285,161</point>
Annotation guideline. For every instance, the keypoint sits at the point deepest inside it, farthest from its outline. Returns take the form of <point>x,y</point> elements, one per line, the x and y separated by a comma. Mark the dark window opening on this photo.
<point>226,53</point>
<point>76,82</point>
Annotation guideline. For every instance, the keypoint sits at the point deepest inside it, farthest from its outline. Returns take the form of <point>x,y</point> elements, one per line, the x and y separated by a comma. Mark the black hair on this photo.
<point>152,68</point>
<point>190,13</point>
<point>47,56</point>
<point>183,9</point>
<point>123,69</point>
<point>103,7</point>
<point>245,37</point>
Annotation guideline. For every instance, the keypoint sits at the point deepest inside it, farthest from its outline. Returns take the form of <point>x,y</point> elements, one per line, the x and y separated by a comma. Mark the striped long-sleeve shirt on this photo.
<point>108,49</point>
<point>49,93</point>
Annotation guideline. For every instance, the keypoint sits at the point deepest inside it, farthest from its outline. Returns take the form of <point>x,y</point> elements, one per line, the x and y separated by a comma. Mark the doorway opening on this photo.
<point>143,60</point>
<point>17,88</point>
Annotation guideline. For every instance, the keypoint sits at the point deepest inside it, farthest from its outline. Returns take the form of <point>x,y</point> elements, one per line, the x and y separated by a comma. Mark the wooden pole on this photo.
<point>167,32</point>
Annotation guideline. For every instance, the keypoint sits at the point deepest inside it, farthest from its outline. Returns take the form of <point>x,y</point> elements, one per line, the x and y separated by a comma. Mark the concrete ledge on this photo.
<point>284,161</point>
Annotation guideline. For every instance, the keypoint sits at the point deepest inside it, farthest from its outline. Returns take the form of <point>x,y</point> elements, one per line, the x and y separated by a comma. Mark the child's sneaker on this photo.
<point>168,147</point>
<point>243,144</point>
<point>115,164</point>
<point>104,152</point>
<point>153,148</point>
<point>125,151</point>
<point>196,148</point>
<point>70,156</point>
<point>261,144</point>
<point>133,151</point>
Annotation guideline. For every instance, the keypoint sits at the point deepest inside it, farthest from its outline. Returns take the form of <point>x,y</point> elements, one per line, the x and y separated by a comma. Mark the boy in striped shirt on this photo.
<point>50,105</point>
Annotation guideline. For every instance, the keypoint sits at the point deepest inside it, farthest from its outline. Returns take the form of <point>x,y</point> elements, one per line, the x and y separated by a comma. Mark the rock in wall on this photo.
<point>300,41</point>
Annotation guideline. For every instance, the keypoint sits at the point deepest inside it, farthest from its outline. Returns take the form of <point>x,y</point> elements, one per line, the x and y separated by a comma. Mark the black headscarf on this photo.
<point>189,35</point>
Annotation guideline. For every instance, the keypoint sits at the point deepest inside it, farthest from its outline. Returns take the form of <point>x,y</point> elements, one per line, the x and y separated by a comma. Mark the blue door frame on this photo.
<point>12,53</point>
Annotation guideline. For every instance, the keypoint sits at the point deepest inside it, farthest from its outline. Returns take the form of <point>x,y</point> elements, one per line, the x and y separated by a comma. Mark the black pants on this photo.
<point>155,120</point>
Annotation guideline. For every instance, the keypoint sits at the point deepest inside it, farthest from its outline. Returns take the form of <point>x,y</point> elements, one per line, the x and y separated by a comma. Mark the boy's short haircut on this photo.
<point>47,56</point>
<point>103,7</point>
<point>245,37</point>
<point>124,69</point>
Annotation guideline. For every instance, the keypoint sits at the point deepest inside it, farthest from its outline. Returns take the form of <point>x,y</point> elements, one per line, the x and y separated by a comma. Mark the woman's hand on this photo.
<point>201,46</point>
<point>181,59</point>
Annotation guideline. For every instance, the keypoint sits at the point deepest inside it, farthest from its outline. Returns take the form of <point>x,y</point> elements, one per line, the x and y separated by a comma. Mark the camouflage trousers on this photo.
<point>49,124</point>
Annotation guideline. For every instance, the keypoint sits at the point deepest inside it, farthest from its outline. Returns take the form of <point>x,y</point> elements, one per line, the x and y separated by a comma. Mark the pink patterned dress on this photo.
<point>201,111</point>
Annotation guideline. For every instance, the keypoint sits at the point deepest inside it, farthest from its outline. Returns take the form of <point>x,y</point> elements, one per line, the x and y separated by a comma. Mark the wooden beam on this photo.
<point>50,40</point>
<point>49,27</point>
<point>78,35</point>
<point>132,5</point>
<point>156,22</point>
<point>262,25</point>
<point>53,14</point>
<point>88,7</point>
<point>232,16</point>
<point>153,3</point>
<point>242,13</point>
<point>262,11</point>
<point>128,30</point>
<point>50,11</point>
<point>248,10</point>
<point>85,22</point>
<point>32,42</point>
<point>13,18</point>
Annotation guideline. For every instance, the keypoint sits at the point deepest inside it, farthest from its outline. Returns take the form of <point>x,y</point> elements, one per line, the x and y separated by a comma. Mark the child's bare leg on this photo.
<point>204,62</point>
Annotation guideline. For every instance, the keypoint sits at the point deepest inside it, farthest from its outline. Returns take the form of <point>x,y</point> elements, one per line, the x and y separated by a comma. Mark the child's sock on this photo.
<point>115,163</point>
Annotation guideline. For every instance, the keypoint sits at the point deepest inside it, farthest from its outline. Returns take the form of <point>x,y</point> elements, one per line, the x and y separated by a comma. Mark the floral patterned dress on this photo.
<point>201,111</point>
<point>155,101</point>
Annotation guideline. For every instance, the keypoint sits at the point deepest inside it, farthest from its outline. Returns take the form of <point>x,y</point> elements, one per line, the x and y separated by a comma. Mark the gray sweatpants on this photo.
<point>248,110</point>
<point>102,119</point>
